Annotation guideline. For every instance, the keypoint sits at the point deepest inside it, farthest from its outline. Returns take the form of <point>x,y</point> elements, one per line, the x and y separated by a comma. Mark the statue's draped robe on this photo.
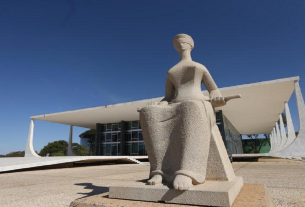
<point>177,138</point>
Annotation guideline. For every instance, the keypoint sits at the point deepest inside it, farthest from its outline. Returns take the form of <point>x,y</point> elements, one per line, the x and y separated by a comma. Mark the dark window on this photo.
<point>108,149</point>
<point>135,125</point>
<point>102,149</point>
<point>114,149</point>
<point>103,127</point>
<point>128,148</point>
<point>141,149</point>
<point>108,137</point>
<point>128,125</point>
<point>140,136</point>
<point>115,127</point>
<point>114,137</point>
<point>134,136</point>
<point>119,149</point>
<point>128,137</point>
<point>135,148</point>
<point>102,138</point>
<point>109,127</point>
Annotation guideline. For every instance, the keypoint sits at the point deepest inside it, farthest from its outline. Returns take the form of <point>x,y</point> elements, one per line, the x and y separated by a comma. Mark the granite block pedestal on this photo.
<point>211,193</point>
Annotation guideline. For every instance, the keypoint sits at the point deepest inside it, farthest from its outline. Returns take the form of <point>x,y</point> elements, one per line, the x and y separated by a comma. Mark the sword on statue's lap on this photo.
<point>226,98</point>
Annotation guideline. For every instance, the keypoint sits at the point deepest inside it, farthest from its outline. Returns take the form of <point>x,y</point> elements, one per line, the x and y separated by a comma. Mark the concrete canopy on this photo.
<point>255,113</point>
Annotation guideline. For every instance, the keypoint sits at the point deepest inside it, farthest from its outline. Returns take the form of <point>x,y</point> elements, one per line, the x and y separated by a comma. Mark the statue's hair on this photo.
<point>184,38</point>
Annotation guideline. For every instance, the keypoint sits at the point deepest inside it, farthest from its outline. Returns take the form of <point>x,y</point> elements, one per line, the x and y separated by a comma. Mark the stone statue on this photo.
<point>182,139</point>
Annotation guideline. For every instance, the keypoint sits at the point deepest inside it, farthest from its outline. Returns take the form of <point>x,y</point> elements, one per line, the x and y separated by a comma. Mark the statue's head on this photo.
<point>183,42</point>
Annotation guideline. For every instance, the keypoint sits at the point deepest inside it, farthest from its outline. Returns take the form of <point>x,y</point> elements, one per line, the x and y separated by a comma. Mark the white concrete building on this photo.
<point>257,112</point>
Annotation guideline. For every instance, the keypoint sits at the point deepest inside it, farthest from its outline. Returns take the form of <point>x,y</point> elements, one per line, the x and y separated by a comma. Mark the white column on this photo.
<point>290,128</point>
<point>271,141</point>
<point>301,109</point>
<point>278,137</point>
<point>283,133</point>
<point>29,149</point>
<point>70,147</point>
<point>297,148</point>
<point>274,137</point>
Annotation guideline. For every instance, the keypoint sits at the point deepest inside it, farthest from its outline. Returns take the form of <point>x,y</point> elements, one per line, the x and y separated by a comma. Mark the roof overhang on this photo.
<point>255,113</point>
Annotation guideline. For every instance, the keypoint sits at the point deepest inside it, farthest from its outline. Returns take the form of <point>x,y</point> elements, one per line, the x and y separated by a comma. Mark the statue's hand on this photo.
<point>152,103</point>
<point>218,101</point>
<point>163,103</point>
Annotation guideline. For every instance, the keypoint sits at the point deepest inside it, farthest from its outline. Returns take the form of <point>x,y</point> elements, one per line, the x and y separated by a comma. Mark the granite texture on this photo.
<point>183,142</point>
<point>211,193</point>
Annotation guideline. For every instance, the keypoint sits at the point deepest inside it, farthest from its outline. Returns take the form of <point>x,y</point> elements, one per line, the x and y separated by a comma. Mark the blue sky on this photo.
<point>63,55</point>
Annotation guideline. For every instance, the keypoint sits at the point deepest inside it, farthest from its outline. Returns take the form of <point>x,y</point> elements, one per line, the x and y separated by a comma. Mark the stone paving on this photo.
<point>285,180</point>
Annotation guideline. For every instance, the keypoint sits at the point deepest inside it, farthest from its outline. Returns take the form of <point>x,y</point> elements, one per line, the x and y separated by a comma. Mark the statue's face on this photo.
<point>181,45</point>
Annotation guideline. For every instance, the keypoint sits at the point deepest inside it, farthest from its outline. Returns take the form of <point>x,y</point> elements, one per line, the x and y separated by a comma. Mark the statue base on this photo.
<point>211,193</point>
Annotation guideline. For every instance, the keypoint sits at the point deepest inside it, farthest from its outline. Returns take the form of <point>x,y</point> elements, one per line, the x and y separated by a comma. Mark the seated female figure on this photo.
<point>177,131</point>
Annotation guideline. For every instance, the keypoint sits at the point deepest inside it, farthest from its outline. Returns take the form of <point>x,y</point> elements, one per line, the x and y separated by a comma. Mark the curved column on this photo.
<point>283,133</point>
<point>277,137</point>
<point>29,149</point>
<point>70,147</point>
<point>271,142</point>
<point>274,137</point>
<point>297,148</point>
<point>290,128</point>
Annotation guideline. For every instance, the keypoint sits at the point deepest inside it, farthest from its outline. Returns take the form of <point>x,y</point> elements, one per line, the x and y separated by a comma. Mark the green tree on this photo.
<point>15,154</point>
<point>60,148</point>
<point>57,148</point>
<point>90,135</point>
<point>80,150</point>
<point>267,136</point>
<point>254,144</point>
<point>60,154</point>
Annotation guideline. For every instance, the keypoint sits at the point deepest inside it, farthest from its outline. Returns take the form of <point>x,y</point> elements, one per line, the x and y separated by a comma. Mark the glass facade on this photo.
<point>134,144</point>
<point>233,139</point>
<point>125,138</point>
<point>85,142</point>
<point>110,139</point>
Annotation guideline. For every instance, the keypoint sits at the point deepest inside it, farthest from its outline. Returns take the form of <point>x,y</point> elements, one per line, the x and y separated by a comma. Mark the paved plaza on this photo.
<point>285,180</point>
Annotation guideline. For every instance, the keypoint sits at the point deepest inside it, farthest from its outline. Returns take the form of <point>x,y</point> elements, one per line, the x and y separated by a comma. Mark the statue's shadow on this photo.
<point>143,180</point>
<point>96,190</point>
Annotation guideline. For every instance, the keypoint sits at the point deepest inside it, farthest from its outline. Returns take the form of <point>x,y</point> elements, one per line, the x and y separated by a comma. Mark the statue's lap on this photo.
<point>178,136</point>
